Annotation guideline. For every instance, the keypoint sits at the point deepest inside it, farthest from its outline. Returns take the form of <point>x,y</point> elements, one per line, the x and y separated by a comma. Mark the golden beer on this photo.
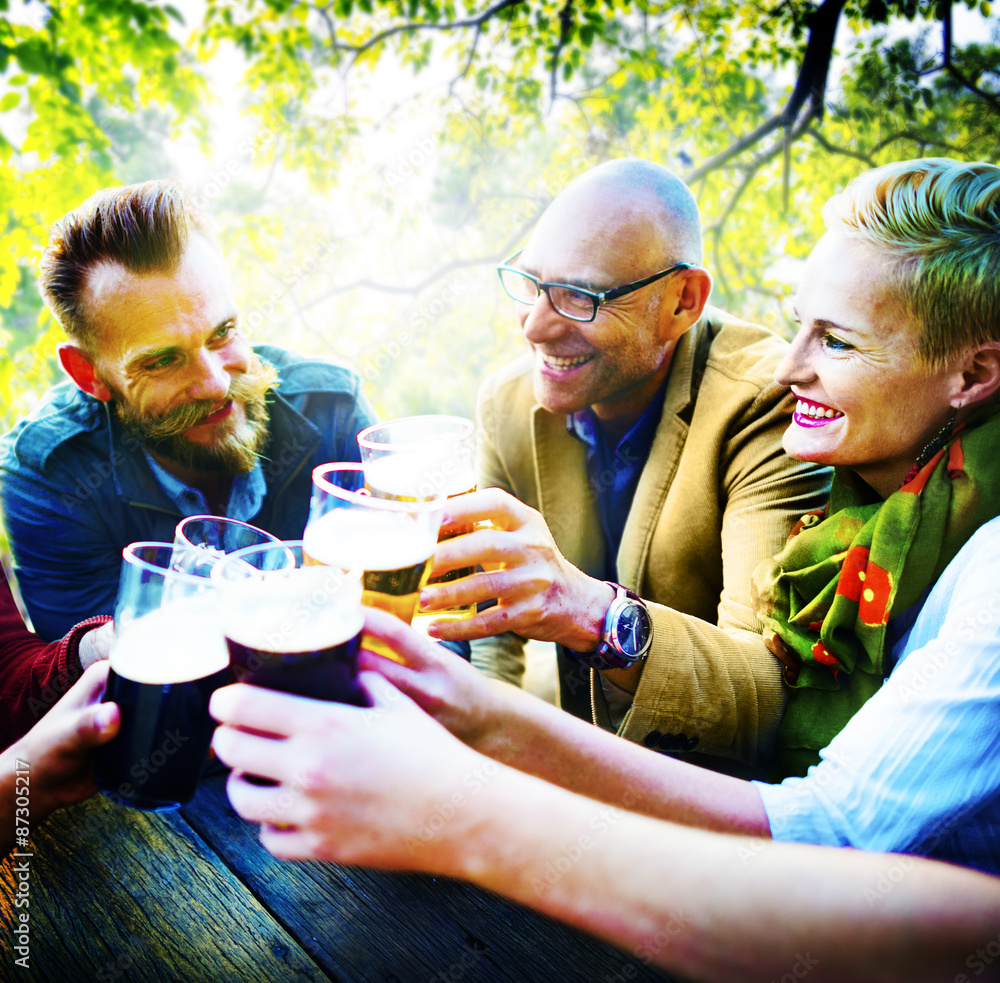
<point>412,477</point>
<point>393,549</point>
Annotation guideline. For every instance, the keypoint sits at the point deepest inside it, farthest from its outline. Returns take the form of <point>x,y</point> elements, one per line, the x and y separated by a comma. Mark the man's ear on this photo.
<point>696,285</point>
<point>77,365</point>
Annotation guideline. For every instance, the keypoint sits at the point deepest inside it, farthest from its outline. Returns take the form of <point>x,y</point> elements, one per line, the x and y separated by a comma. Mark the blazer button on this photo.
<point>652,739</point>
<point>691,743</point>
<point>668,742</point>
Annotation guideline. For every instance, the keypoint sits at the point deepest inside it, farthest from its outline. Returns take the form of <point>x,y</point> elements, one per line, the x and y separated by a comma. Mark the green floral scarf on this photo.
<point>826,599</point>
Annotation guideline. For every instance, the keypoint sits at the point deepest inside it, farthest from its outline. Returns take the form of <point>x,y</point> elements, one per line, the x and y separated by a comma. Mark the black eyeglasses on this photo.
<point>570,301</point>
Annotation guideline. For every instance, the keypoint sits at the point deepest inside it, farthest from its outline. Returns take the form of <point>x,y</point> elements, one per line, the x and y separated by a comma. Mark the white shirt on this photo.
<point>917,769</point>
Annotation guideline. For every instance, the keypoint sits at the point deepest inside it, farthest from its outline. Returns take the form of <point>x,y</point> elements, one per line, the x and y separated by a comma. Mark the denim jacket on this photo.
<point>76,489</point>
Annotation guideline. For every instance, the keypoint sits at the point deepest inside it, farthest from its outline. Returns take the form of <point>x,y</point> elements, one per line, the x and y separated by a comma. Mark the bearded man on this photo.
<point>170,411</point>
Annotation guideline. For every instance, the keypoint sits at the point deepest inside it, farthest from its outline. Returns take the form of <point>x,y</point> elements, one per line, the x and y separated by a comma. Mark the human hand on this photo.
<point>456,694</point>
<point>96,644</point>
<point>58,748</point>
<point>539,593</point>
<point>380,786</point>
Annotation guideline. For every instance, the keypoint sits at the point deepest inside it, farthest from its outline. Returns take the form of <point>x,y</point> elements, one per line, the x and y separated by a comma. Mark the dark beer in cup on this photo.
<point>299,633</point>
<point>164,668</point>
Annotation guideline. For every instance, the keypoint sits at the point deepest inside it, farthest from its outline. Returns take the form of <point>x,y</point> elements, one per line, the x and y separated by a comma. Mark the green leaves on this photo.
<point>519,103</point>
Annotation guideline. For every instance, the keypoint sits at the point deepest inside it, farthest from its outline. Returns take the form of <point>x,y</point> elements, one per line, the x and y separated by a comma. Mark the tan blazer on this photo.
<point>717,497</point>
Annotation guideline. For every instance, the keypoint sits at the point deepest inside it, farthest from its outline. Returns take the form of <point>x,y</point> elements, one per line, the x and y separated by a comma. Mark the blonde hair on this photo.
<point>938,223</point>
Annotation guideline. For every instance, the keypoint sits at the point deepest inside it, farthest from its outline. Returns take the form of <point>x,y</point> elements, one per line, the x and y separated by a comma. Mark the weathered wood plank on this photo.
<point>365,925</point>
<point>119,895</point>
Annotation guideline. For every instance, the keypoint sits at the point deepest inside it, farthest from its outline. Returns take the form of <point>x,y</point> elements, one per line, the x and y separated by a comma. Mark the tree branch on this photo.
<point>987,97</point>
<point>376,39</point>
<point>331,29</point>
<point>455,264</point>
<point>787,139</point>
<point>565,26</point>
<point>949,66</point>
<point>389,288</point>
<point>468,61</point>
<point>809,91</point>
<point>842,151</point>
<point>744,143</point>
<point>922,139</point>
<point>946,31</point>
<point>810,86</point>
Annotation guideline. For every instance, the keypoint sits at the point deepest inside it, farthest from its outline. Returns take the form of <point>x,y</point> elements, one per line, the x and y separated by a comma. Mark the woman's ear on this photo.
<point>78,366</point>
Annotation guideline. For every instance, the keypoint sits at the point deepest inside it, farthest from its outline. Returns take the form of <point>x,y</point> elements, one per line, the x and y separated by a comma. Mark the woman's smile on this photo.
<point>812,414</point>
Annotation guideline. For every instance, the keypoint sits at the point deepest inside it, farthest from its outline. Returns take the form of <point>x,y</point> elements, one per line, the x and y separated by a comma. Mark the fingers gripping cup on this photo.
<point>392,541</point>
<point>167,659</point>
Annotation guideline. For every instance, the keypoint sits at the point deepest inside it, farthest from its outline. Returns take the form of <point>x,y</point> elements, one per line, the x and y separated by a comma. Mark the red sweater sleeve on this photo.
<point>33,675</point>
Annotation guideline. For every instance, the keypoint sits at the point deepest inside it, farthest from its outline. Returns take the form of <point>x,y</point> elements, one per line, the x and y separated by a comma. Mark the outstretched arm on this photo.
<point>512,726</point>
<point>387,787</point>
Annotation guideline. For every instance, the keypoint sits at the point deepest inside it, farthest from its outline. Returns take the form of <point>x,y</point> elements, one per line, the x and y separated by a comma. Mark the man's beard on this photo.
<point>236,453</point>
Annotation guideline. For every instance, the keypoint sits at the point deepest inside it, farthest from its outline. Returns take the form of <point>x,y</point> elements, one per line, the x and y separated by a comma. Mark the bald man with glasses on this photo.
<point>632,469</point>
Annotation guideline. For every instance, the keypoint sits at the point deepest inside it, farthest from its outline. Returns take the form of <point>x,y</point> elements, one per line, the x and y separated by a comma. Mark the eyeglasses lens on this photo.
<point>567,301</point>
<point>572,302</point>
<point>519,287</point>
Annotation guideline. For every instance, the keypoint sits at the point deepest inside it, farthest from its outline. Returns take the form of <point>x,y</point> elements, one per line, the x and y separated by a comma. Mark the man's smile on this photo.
<point>564,364</point>
<point>220,413</point>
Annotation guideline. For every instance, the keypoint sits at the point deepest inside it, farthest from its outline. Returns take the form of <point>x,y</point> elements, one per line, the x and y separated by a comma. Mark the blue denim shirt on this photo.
<point>76,489</point>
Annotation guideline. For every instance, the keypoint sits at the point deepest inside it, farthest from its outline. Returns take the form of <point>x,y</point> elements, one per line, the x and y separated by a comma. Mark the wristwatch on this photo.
<point>627,635</point>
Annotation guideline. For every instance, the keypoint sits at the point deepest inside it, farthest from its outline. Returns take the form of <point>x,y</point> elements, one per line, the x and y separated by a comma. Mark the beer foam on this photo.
<point>419,475</point>
<point>177,643</point>
<point>369,539</point>
<point>295,611</point>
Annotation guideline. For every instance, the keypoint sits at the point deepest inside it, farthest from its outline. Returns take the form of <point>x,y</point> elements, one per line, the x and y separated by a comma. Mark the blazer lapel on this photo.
<point>664,457</point>
<point>564,494</point>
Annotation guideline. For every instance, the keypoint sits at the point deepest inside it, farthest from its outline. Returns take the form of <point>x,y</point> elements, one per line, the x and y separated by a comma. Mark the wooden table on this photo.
<point>121,895</point>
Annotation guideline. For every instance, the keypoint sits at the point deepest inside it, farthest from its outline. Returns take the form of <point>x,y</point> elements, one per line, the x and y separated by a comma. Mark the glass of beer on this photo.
<point>167,658</point>
<point>392,541</point>
<point>292,627</point>
<point>201,540</point>
<point>416,457</point>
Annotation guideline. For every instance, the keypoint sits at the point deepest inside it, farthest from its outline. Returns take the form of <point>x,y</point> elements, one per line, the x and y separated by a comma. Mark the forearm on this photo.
<point>544,741</point>
<point>715,907</point>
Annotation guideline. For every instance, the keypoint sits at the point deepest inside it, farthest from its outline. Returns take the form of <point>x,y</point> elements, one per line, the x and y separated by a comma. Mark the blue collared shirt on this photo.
<point>614,476</point>
<point>245,498</point>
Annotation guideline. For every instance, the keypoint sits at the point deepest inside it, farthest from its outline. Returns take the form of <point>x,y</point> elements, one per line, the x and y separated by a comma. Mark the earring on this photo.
<point>932,447</point>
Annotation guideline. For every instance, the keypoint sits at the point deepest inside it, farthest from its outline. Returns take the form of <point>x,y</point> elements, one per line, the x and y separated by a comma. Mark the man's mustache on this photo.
<point>248,388</point>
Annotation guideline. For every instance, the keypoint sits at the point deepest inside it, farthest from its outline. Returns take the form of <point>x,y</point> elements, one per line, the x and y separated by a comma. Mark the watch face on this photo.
<point>632,629</point>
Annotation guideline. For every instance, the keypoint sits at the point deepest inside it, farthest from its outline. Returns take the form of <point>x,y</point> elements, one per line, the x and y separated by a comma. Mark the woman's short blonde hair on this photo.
<point>938,221</point>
